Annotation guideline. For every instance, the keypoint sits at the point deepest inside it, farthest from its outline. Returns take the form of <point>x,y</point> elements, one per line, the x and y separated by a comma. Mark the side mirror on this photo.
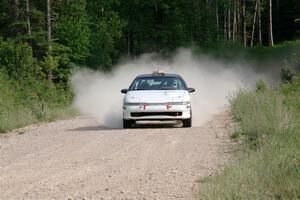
<point>124,91</point>
<point>191,90</point>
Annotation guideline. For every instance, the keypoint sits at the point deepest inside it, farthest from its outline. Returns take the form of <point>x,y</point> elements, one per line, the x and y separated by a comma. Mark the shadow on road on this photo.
<point>135,126</point>
<point>93,128</point>
<point>149,126</point>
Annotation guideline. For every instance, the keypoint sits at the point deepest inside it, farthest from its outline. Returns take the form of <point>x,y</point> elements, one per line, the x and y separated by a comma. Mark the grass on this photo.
<point>20,106</point>
<point>22,116</point>
<point>268,163</point>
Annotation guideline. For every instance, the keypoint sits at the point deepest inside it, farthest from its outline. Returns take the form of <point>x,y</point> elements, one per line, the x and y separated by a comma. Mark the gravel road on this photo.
<point>78,159</point>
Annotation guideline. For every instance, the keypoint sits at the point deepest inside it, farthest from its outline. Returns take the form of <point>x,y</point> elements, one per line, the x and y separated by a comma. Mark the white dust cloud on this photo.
<point>98,94</point>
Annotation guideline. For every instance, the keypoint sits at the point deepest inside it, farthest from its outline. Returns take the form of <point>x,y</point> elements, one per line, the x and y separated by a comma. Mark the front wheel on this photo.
<point>127,123</point>
<point>187,122</point>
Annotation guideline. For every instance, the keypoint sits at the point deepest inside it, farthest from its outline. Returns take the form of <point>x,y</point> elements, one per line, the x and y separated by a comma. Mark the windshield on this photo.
<point>157,83</point>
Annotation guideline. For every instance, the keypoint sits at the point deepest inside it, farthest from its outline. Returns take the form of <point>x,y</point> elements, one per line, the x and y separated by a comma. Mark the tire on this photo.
<point>186,123</point>
<point>127,123</point>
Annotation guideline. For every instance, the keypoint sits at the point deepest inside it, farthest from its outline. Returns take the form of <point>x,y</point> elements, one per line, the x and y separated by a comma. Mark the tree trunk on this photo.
<point>229,22</point>
<point>128,43</point>
<point>254,22</point>
<point>244,24</point>
<point>28,17</point>
<point>238,20</point>
<point>259,23</point>
<point>271,41</point>
<point>17,15</point>
<point>17,10</point>
<point>49,37</point>
<point>225,24</point>
<point>217,19</point>
<point>234,23</point>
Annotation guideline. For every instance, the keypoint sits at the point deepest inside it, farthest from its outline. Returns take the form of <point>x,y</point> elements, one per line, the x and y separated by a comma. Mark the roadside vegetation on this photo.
<point>268,160</point>
<point>25,95</point>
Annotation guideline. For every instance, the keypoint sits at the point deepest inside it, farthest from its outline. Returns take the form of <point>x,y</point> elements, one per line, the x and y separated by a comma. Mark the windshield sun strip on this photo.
<point>157,104</point>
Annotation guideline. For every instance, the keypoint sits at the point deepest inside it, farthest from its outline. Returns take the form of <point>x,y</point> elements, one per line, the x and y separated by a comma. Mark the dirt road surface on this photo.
<point>78,159</point>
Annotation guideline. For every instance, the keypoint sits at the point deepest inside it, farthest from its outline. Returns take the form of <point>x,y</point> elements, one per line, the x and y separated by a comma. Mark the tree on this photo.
<point>234,25</point>
<point>28,17</point>
<point>229,21</point>
<point>17,16</point>
<point>49,38</point>
<point>259,23</point>
<point>71,29</point>
<point>244,24</point>
<point>49,31</point>
<point>271,41</point>
<point>217,18</point>
<point>254,23</point>
<point>225,24</point>
<point>17,9</point>
<point>106,30</point>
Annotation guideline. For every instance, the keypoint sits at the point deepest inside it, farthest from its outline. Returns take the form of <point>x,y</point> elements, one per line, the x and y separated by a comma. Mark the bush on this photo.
<point>261,86</point>
<point>25,96</point>
<point>17,61</point>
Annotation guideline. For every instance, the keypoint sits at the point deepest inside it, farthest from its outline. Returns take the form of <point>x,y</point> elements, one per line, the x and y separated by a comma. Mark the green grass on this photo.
<point>27,94</point>
<point>268,163</point>
<point>22,116</point>
<point>31,103</point>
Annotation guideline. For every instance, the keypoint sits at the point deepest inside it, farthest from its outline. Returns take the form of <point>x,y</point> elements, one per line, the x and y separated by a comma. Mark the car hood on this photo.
<point>156,96</point>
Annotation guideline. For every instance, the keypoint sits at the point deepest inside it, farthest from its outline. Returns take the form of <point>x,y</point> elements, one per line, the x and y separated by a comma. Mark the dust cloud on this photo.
<point>98,94</point>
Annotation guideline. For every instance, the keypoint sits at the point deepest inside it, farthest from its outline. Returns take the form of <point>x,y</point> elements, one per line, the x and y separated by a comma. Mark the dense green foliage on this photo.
<point>97,33</point>
<point>25,96</point>
<point>269,160</point>
<point>71,29</point>
<point>106,30</point>
<point>37,101</point>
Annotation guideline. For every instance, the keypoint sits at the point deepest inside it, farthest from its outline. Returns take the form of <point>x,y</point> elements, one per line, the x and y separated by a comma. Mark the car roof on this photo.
<point>158,75</point>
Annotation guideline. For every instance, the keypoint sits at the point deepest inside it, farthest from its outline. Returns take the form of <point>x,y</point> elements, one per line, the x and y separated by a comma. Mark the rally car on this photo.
<point>157,96</point>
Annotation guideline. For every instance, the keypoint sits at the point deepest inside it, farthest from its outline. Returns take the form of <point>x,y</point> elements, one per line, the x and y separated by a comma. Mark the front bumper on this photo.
<point>156,112</point>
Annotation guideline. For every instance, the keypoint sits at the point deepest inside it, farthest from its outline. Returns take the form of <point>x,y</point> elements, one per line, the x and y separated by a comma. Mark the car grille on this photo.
<point>145,114</point>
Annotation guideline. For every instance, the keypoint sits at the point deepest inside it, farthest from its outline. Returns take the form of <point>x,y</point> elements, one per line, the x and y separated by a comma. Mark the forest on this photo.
<point>97,33</point>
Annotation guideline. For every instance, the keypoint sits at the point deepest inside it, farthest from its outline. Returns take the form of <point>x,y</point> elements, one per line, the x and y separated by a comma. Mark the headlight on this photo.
<point>131,104</point>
